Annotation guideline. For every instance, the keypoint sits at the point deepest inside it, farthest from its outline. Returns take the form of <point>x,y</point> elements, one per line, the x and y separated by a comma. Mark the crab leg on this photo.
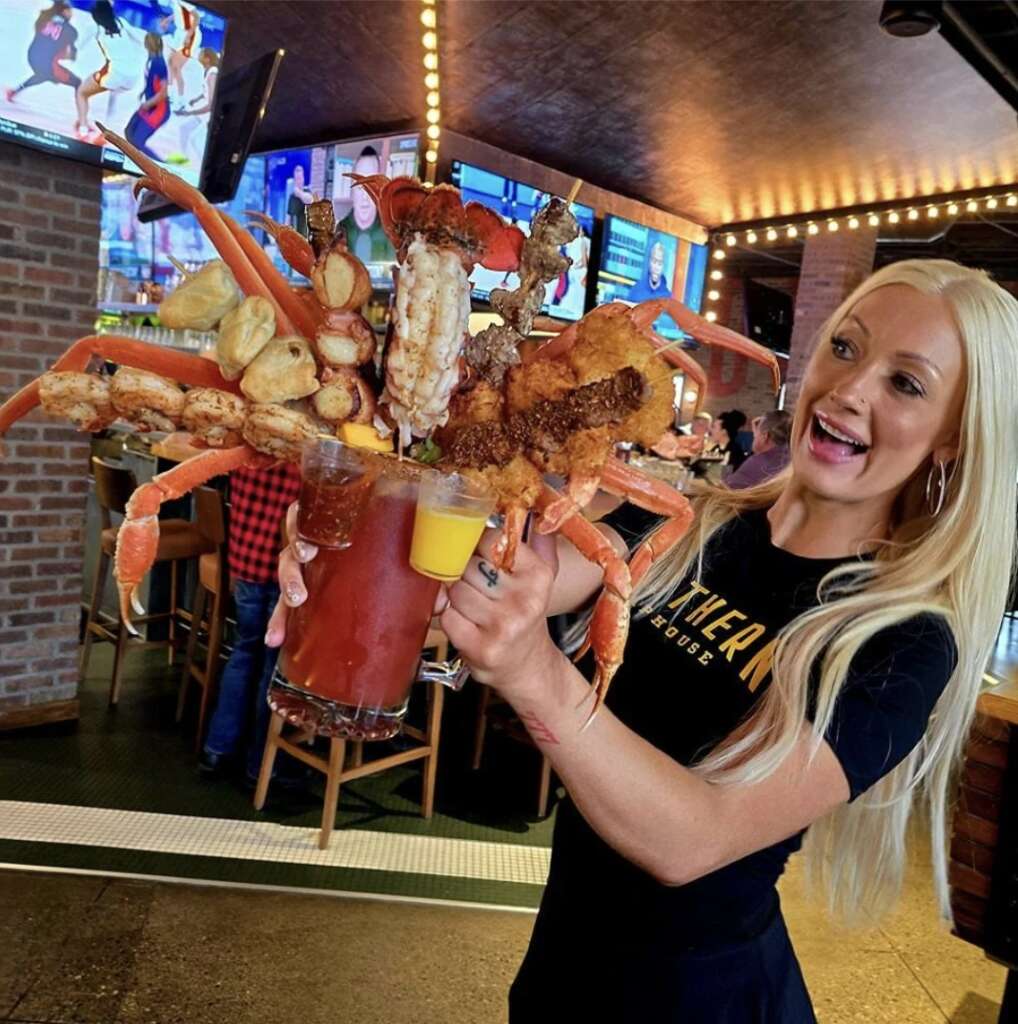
<point>645,313</point>
<point>609,624</point>
<point>138,536</point>
<point>180,192</point>
<point>293,246</point>
<point>504,555</point>
<point>290,303</point>
<point>179,366</point>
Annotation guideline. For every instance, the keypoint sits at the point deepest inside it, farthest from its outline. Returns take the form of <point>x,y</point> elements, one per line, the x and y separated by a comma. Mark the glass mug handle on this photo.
<point>451,673</point>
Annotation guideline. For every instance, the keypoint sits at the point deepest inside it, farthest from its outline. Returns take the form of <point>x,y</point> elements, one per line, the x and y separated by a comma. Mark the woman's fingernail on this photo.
<point>302,550</point>
<point>294,595</point>
<point>269,638</point>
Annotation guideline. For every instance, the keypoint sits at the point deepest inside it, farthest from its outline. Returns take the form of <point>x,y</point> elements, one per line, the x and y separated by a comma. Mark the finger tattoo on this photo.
<point>489,572</point>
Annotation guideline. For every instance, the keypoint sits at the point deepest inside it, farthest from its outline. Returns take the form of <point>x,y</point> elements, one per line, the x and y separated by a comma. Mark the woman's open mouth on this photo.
<point>832,444</point>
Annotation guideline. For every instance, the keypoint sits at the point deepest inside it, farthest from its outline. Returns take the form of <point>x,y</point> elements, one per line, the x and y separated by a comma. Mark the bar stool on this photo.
<point>338,770</point>
<point>212,582</point>
<point>493,711</point>
<point>179,539</point>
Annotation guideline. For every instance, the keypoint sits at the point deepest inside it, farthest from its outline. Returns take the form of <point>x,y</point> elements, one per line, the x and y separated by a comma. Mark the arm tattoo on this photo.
<point>540,732</point>
<point>489,572</point>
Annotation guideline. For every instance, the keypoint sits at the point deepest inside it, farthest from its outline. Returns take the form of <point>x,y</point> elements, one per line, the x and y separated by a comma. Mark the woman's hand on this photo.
<point>498,620</point>
<point>291,581</point>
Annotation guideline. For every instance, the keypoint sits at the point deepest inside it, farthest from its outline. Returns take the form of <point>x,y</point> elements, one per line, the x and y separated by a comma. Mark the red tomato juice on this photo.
<point>357,638</point>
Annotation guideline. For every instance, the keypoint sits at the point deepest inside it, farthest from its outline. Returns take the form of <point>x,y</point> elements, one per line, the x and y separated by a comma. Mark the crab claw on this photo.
<point>137,545</point>
<point>609,629</point>
<point>293,246</point>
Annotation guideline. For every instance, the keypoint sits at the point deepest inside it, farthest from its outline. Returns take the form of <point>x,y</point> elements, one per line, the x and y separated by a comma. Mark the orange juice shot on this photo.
<point>448,523</point>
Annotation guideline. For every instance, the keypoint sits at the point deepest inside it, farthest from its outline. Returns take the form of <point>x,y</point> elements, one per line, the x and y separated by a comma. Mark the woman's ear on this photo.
<point>946,453</point>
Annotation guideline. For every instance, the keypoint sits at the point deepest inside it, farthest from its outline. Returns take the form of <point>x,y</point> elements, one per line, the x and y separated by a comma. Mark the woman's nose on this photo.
<point>854,391</point>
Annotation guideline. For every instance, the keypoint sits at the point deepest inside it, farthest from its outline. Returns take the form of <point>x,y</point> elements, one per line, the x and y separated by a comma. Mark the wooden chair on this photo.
<point>212,582</point>
<point>493,711</point>
<point>179,539</point>
<point>338,768</point>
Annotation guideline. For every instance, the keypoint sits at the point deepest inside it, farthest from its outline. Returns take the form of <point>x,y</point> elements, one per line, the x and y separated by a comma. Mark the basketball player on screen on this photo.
<point>54,40</point>
<point>124,60</point>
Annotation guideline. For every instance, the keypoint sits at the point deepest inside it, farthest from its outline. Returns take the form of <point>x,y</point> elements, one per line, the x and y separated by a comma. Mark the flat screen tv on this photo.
<point>295,176</point>
<point>240,101</point>
<point>518,202</point>
<point>146,69</point>
<point>769,315</point>
<point>640,263</point>
<point>140,250</point>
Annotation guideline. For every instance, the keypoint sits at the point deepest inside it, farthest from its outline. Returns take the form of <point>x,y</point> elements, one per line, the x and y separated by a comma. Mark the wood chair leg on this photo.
<point>171,648</point>
<point>337,748</point>
<point>481,726</point>
<point>268,760</point>
<point>356,753</point>
<point>432,732</point>
<point>102,566</point>
<point>542,792</point>
<point>197,614</point>
<point>118,661</point>
<point>211,666</point>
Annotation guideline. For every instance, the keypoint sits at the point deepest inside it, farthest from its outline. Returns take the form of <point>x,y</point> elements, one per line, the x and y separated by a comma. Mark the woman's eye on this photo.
<point>841,348</point>
<point>907,385</point>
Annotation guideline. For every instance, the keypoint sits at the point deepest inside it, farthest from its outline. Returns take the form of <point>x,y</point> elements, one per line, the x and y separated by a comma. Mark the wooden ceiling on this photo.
<point>719,111</point>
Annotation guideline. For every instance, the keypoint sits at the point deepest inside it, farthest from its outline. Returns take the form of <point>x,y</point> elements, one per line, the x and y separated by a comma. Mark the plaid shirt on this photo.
<point>259,499</point>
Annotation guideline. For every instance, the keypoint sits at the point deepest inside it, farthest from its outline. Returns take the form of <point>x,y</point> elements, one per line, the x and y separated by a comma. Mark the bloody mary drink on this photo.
<point>352,649</point>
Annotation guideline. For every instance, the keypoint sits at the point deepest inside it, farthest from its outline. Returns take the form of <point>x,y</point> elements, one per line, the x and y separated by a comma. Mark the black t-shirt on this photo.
<point>693,669</point>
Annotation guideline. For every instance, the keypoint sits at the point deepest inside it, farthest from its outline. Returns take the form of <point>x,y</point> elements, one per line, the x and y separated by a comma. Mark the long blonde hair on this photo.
<point>957,565</point>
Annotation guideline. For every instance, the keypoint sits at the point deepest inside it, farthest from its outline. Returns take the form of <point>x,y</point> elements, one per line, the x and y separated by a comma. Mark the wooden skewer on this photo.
<point>181,269</point>
<point>574,192</point>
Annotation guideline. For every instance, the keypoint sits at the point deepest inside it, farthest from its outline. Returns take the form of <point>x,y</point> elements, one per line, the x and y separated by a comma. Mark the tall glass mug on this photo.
<point>352,649</point>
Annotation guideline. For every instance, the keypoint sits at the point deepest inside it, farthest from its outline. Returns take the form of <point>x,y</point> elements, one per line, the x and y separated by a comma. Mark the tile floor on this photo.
<point>94,949</point>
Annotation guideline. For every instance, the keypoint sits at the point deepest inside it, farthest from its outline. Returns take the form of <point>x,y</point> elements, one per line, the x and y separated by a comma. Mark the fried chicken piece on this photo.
<point>549,423</point>
<point>605,343</point>
<point>518,483</point>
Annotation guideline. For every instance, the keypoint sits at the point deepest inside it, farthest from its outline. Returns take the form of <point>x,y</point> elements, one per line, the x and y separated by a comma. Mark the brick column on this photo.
<point>49,259</point>
<point>832,266</point>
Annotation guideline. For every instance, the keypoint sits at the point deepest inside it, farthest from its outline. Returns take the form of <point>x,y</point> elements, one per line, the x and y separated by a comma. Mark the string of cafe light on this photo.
<point>433,115</point>
<point>913,212</point>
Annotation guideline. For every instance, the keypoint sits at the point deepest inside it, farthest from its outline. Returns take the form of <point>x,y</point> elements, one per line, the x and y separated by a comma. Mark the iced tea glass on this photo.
<point>337,481</point>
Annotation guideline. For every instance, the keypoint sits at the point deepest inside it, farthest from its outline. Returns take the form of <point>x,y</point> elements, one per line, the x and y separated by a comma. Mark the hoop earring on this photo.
<point>941,487</point>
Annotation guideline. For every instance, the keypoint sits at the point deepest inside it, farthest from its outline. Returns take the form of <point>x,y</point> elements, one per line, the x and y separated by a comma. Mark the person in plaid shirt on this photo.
<point>259,499</point>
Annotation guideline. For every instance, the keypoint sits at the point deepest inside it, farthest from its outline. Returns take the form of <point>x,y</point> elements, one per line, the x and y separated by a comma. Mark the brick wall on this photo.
<point>832,266</point>
<point>49,257</point>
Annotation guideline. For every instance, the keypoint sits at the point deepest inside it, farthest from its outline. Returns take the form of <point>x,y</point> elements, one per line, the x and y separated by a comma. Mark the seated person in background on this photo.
<point>770,450</point>
<point>723,433</point>
<point>259,499</point>
<point>698,426</point>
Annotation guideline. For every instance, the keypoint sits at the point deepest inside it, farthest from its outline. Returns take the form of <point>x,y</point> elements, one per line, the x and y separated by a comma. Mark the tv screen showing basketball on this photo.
<point>146,70</point>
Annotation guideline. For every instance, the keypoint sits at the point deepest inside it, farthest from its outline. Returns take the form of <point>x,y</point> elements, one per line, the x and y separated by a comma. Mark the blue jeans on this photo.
<point>246,677</point>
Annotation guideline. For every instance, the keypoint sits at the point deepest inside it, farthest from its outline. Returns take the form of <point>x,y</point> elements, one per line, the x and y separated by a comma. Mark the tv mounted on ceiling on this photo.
<point>518,202</point>
<point>240,102</point>
<point>148,70</point>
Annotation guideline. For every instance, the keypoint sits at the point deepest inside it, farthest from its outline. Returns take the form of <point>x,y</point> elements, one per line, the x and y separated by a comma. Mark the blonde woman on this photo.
<point>807,658</point>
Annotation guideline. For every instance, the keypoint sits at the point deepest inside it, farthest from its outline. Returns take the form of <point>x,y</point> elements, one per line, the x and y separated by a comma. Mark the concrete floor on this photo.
<point>93,950</point>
